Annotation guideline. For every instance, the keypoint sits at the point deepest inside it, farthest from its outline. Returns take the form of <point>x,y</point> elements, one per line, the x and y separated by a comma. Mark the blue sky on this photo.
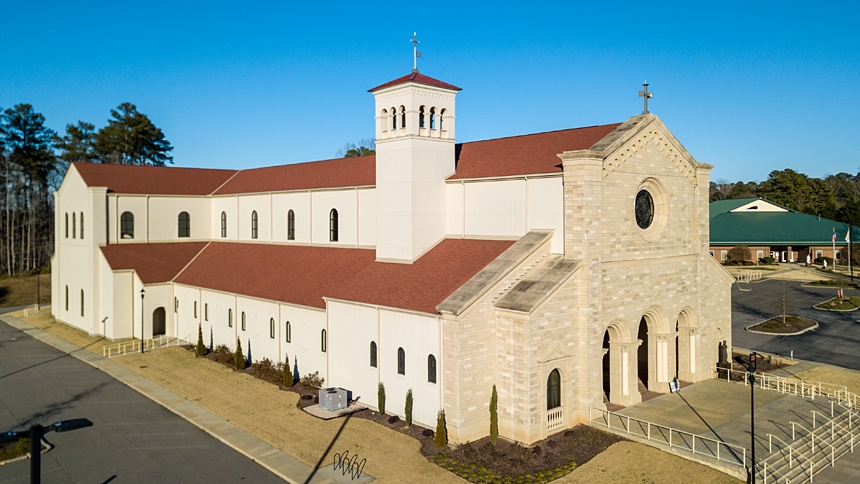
<point>749,87</point>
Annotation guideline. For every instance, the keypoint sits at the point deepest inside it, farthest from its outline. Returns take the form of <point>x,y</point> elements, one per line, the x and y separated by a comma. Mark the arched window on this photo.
<point>67,298</point>
<point>206,312</point>
<point>441,120</point>
<point>421,117</point>
<point>431,369</point>
<point>432,118</point>
<point>393,118</point>
<point>332,225</point>
<point>223,225</point>
<point>291,225</point>
<point>82,300</point>
<point>230,318</point>
<point>74,225</point>
<point>401,361</point>
<point>67,225</point>
<point>243,320</point>
<point>272,328</point>
<point>82,225</point>
<point>254,224</point>
<point>195,309</point>
<point>402,117</point>
<point>289,331</point>
<point>126,225</point>
<point>176,305</point>
<point>553,390</point>
<point>373,354</point>
<point>384,116</point>
<point>184,224</point>
<point>323,341</point>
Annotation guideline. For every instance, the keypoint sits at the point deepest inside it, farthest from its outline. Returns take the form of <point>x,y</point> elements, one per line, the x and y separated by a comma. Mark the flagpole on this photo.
<point>833,240</point>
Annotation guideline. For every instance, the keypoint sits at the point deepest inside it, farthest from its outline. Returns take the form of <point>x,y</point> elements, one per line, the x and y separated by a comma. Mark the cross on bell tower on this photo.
<point>645,94</point>
<point>416,54</point>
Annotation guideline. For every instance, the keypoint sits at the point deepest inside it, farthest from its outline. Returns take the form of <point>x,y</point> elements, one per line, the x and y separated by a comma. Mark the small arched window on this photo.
<point>176,305</point>
<point>184,224</point>
<point>393,118</point>
<point>82,225</point>
<point>67,225</point>
<point>74,225</point>
<point>272,328</point>
<point>195,309</point>
<point>441,120</point>
<point>332,225</point>
<point>223,225</point>
<point>254,224</point>
<point>401,361</point>
<point>67,298</point>
<point>384,116</point>
<point>82,302</point>
<point>432,118</point>
<point>553,390</point>
<point>421,117</point>
<point>230,318</point>
<point>291,225</point>
<point>431,369</point>
<point>373,354</point>
<point>402,117</point>
<point>289,332</point>
<point>243,320</point>
<point>323,341</point>
<point>206,312</point>
<point>126,225</point>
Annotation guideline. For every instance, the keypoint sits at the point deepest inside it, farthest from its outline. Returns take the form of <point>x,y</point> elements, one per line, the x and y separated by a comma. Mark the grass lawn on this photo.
<point>837,304</point>
<point>21,290</point>
<point>271,414</point>
<point>792,324</point>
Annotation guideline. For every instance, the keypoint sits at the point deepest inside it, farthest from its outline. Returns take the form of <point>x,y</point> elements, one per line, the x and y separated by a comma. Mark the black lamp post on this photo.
<point>142,292</point>
<point>35,435</point>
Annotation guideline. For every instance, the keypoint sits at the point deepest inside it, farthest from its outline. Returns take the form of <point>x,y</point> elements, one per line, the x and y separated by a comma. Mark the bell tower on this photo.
<point>414,154</point>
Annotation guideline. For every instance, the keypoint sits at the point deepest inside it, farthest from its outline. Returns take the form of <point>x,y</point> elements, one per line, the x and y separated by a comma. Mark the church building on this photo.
<point>568,268</point>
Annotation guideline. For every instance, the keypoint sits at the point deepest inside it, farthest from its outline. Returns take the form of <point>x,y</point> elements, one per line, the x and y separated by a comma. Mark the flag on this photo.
<point>834,235</point>
<point>848,236</point>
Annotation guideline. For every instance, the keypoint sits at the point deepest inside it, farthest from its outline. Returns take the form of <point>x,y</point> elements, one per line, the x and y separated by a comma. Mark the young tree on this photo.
<point>494,417</point>
<point>130,138</point>
<point>287,373</point>
<point>409,407</point>
<point>441,439</point>
<point>238,357</point>
<point>351,150</point>
<point>740,253</point>
<point>201,348</point>
<point>380,398</point>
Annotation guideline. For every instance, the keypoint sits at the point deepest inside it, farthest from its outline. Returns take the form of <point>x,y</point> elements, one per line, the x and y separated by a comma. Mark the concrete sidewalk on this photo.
<point>281,464</point>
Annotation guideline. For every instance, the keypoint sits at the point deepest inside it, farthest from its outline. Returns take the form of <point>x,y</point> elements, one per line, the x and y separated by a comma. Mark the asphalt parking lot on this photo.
<point>133,439</point>
<point>836,341</point>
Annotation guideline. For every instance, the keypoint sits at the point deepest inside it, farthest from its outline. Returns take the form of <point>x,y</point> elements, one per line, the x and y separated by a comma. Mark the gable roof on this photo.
<point>718,207</point>
<point>418,78</point>
<point>153,263</point>
<point>772,228</point>
<point>152,180</point>
<point>335,173</point>
<point>524,155</point>
<point>304,275</point>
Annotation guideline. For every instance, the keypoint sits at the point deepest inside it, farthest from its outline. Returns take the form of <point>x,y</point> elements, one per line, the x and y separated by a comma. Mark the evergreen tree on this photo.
<point>380,398</point>
<point>494,417</point>
<point>238,357</point>
<point>78,145</point>
<point>287,373</point>
<point>201,348</point>
<point>130,138</point>
<point>409,407</point>
<point>441,439</point>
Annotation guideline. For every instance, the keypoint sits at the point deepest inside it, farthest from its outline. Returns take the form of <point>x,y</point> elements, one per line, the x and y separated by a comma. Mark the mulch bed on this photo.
<point>792,324</point>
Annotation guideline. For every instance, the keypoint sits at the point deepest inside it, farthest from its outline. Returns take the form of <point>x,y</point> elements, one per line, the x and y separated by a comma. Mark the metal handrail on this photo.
<point>794,386</point>
<point>791,455</point>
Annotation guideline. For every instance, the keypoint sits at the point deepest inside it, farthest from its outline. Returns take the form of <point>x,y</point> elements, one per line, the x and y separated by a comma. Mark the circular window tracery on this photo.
<point>644,209</point>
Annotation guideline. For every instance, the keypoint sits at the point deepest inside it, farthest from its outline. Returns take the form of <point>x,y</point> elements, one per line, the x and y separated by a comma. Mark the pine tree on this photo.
<point>494,417</point>
<point>201,348</point>
<point>287,373</point>
<point>238,357</point>
<point>441,430</point>
<point>380,397</point>
<point>409,407</point>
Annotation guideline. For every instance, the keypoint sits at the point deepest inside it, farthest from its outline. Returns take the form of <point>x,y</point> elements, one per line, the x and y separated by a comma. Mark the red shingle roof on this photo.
<point>153,262</point>
<point>420,79</point>
<point>304,275</point>
<point>153,180</point>
<point>524,155</point>
<point>336,173</point>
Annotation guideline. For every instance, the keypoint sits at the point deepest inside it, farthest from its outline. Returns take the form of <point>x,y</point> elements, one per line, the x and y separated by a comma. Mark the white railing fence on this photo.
<point>160,341</point>
<point>554,419</point>
<point>794,386</point>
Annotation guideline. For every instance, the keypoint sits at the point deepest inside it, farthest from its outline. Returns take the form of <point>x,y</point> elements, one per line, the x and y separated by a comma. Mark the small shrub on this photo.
<point>393,419</point>
<point>409,407</point>
<point>427,433</point>
<point>238,357</point>
<point>222,354</point>
<point>267,370</point>
<point>313,380</point>
<point>201,348</point>
<point>768,260</point>
<point>380,398</point>
<point>441,439</point>
<point>287,374</point>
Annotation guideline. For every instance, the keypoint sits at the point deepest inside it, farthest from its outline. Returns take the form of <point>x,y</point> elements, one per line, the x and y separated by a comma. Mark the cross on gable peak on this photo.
<point>646,95</point>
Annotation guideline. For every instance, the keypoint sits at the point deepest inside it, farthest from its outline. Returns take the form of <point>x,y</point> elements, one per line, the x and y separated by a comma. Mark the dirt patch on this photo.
<point>780,325</point>
<point>21,290</point>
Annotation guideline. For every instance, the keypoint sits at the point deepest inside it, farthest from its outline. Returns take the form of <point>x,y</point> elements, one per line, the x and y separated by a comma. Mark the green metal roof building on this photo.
<point>773,230</point>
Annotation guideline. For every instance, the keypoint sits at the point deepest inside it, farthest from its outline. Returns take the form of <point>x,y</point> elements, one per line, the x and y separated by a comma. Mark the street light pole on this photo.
<point>142,292</point>
<point>752,367</point>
